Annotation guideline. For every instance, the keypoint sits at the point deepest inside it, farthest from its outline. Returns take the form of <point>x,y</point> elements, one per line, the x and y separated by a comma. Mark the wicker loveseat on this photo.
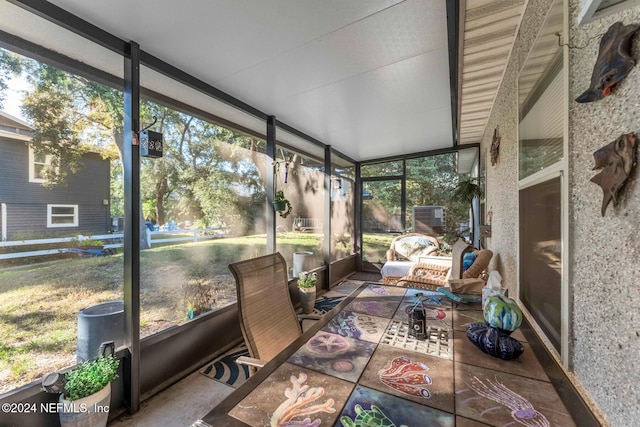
<point>432,276</point>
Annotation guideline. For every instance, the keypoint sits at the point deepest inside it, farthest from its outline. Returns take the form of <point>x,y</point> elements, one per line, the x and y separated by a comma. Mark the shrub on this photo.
<point>90,377</point>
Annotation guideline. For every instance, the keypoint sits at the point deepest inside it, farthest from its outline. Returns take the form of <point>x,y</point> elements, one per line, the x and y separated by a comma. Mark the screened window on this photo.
<point>38,164</point>
<point>62,215</point>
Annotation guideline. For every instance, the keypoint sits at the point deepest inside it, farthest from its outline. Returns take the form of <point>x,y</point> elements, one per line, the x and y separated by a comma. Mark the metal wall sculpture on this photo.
<point>616,160</point>
<point>614,61</point>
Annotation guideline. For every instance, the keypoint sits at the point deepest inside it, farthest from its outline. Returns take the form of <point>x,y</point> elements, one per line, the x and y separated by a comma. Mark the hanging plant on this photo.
<point>281,204</point>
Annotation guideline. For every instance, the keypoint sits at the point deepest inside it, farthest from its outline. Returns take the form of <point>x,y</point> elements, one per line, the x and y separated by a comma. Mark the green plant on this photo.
<point>281,203</point>
<point>90,377</point>
<point>467,190</point>
<point>307,280</point>
<point>198,295</point>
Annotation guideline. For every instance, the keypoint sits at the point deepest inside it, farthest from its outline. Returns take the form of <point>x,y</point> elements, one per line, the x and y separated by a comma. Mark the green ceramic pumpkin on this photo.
<point>502,313</point>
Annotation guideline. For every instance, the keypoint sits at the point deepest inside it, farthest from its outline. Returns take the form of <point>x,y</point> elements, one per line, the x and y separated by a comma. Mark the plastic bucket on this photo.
<point>97,324</point>
<point>302,261</point>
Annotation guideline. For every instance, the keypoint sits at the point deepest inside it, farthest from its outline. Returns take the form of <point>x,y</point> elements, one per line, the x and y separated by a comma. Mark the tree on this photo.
<point>10,65</point>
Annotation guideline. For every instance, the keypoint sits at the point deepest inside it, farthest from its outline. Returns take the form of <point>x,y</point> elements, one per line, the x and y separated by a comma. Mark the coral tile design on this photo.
<point>334,355</point>
<point>357,325</point>
<point>498,399</point>
<point>292,394</point>
<point>367,407</point>
<point>417,377</point>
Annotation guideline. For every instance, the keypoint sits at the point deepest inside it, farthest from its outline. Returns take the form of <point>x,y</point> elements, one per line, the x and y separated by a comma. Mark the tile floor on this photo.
<point>479,389</point>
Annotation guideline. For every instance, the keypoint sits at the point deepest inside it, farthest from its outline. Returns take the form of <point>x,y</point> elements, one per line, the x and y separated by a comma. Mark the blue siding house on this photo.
<point>29,210</point>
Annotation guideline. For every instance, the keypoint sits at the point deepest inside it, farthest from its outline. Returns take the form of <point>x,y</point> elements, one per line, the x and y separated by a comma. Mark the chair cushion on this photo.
<point>479,265</point>
<point>413,247</point>
<point>467,261</point>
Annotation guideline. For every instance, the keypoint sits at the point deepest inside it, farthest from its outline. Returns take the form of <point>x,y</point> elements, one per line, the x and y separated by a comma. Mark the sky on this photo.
<point>13,97</point>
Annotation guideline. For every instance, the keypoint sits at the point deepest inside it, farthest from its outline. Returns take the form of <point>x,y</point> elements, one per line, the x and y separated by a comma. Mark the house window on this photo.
<point>62,216</point>
<point>591,10</point>
<point>38,164</point>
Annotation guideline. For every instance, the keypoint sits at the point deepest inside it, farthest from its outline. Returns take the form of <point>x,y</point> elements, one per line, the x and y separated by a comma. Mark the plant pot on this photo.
<point>280,206</point>
<point>307,299</point>
<point>89,411</point>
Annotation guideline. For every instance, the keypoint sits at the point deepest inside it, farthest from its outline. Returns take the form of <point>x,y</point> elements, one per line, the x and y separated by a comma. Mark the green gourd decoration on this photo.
<point>503,313</point>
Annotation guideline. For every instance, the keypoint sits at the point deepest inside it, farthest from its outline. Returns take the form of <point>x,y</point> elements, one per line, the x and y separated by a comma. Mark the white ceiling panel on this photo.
<point>369,77</point>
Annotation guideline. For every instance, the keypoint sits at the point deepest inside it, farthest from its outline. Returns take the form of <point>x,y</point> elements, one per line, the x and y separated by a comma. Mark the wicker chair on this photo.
<point>267,318</point>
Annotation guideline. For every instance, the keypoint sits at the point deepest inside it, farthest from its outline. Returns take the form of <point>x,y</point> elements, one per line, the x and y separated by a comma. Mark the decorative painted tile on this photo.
<point>292,394</point>
<point>377,290</point>
<point>434,316</point>
<point>439,342</point>
<point>499,399</point>
<point>327,302</point>
<point>430,298</point>
<point>420,378</point>
<point>334,355</point>
<point>347,287</point>
<point>526,365</point>
<point>462,319</point>
<point>467,306</point>
<point>375,306</point>
<point>367,407</point>
<point>466,422</point>
<point>357,325</point>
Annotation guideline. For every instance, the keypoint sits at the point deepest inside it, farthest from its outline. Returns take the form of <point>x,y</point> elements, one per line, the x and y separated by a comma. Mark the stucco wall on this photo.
<point>603,252</point>
<point>606,274</point>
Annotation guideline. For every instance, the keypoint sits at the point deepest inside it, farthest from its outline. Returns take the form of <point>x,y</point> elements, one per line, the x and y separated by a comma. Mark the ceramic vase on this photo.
<point>307,299</point>
<point>92,410</point>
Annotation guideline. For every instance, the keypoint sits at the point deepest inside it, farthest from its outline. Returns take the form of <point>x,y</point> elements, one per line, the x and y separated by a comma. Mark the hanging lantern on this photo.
<point>150,144</point>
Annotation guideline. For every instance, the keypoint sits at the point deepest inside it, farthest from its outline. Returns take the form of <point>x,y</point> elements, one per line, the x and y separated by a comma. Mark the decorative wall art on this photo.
<point>616,160</point>
<point>495,147</point>
<point>614,61</point>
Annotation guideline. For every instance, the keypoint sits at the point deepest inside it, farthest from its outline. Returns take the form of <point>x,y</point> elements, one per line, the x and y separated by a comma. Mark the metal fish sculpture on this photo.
<point>614,61</point>
<point>616,160</point>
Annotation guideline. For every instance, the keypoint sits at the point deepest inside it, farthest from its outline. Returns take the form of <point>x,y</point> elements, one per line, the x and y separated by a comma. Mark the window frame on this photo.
<point>32,166</point>
<point>50,215</point>
<point>590,9</point>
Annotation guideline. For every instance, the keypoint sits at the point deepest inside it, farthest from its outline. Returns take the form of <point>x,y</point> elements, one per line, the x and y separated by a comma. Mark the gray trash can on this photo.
<point>97,324</point>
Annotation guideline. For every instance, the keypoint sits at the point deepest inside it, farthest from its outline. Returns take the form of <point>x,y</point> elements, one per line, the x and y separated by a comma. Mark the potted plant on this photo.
<point>281,204</point>
<point>467,190</point>
<point>87,392</point>
<point>307,291</point>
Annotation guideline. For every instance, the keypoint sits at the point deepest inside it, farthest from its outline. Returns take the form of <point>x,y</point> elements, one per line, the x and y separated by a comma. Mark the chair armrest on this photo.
<point>250,361</point>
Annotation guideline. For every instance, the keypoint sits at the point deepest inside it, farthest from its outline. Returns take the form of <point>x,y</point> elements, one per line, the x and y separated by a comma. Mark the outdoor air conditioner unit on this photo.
<point>429,220</point>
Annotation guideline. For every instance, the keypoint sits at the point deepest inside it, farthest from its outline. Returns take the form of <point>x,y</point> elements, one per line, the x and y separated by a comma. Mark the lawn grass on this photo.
<point>39,303</point>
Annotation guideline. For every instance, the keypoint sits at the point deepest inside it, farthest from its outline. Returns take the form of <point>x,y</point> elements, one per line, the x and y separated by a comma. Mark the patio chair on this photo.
<point>267,318</point>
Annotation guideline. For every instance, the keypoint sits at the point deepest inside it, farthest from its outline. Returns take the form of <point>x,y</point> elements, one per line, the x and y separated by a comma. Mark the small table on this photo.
<point>359,363</point>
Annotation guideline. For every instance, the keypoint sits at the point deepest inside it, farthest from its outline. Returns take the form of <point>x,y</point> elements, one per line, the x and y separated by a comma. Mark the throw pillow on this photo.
<point>467,261</point>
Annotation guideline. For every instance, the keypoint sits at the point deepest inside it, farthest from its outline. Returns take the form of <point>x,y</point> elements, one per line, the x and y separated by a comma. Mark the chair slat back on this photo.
<point>267,318</point>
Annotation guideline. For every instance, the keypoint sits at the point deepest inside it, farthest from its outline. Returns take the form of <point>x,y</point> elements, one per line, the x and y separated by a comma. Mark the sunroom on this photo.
<point>144,146</point>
